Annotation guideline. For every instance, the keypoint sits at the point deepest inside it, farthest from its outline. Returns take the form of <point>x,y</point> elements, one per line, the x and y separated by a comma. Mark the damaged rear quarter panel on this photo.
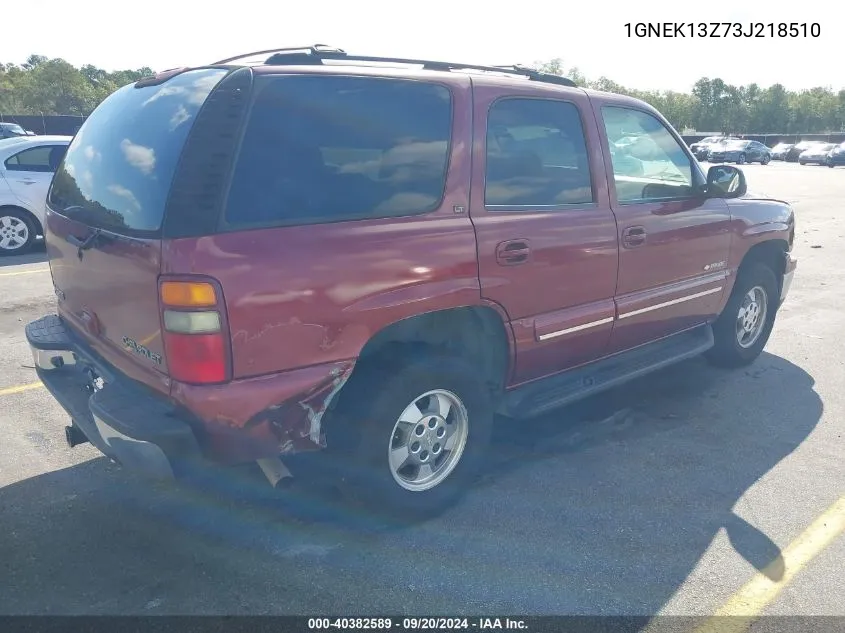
<point>266,415</point>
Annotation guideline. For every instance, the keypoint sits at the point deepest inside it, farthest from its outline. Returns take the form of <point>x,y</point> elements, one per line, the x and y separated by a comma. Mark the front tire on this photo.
<point>17,232</point>
<point>743,329</point>
<point>742,159</point>
<point>411,439</point>
<point>765,160</point>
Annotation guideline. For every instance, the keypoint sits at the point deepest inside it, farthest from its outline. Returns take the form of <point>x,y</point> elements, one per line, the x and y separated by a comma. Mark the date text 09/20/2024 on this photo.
<point>723,29</point>
<point>417,624</point>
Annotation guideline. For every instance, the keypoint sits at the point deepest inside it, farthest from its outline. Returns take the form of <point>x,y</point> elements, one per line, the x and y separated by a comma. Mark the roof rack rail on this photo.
<point>314,49</point>
<point>318,52</point>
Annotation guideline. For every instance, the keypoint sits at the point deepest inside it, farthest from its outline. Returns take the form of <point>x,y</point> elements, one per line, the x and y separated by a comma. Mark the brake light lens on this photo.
<point>196,358</point>
<point>195,340</point>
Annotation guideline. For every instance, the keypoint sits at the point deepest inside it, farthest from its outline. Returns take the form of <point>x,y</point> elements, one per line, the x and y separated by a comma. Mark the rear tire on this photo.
<point>765,160</point>
<point>17,231</point>
<point>411,413</point>
<point>742,159</point>
<point>743,329</point>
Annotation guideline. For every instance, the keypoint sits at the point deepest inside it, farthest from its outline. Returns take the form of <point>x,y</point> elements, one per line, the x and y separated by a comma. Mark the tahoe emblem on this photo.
<point>132,345</point>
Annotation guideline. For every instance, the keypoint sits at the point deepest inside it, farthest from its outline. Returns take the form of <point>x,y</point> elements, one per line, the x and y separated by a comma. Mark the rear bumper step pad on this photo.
<point>125,421</point>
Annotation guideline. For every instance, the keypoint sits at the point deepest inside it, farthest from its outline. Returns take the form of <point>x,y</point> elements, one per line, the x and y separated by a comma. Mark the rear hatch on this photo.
<point>105,212</point>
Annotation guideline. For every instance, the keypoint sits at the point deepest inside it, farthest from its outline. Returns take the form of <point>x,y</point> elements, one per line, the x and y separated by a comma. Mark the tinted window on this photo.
<point>536,155</point>
<point>118,169</point>
<point>44,158</point>
<point>656,168</point>
<point>330,148</point>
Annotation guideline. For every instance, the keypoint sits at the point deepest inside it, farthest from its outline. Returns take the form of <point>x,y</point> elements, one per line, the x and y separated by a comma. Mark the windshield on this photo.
<point>13,128</point>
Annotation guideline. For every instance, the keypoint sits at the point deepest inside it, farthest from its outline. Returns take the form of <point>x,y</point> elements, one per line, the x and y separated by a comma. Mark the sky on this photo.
<point>588,35</point>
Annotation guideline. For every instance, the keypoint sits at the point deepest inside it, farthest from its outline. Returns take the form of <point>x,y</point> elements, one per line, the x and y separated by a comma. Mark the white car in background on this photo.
<point>27,164</point>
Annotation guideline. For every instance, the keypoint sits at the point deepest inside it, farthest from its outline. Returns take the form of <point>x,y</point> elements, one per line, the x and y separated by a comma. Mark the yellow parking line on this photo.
<point>25,272</point>
<point>745,606</point>
<point>8,391</point>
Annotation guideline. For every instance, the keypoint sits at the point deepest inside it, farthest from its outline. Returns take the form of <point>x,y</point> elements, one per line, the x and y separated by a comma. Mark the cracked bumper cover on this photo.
<point>158,436</point>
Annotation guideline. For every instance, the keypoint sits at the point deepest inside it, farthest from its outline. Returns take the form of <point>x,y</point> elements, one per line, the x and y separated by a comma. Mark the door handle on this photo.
<point>512,252</point>
<point>633,236</point>
<point>28,182</point>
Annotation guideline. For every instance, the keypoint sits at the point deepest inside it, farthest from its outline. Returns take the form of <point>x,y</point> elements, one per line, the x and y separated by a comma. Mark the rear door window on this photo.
<point>536,155</point>
<point>43,158</point>
<point>118,169</point>
<point>331,148</point>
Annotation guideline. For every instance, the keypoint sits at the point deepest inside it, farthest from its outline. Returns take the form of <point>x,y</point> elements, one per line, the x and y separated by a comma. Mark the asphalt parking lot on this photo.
<point>666,496</point>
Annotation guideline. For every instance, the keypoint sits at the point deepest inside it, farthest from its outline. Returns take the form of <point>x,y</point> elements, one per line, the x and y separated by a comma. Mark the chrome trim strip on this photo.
<point>666,304</point>
<point>577,328</point>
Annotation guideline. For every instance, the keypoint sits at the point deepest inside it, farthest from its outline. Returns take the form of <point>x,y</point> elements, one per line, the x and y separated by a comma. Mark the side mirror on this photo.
<point>724,181</point>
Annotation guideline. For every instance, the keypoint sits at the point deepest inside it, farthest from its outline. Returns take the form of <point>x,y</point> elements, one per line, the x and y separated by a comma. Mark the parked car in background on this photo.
<point>27,164</point>
<point>739,151</point>
<point>799,148</point>
<point>702,149</point>
<point>421,288</point>
<point>780,150</point>
<point>11,130</point>
<point>836,156</point>
<point>816,155</point>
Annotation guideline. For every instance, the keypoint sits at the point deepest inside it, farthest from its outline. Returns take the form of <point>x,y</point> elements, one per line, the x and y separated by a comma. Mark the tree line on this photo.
<point>716,106</point>
<point>53,86</point>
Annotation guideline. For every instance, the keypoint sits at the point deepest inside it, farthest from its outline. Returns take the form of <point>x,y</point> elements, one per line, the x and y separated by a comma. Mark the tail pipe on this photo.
<point>276,472</point>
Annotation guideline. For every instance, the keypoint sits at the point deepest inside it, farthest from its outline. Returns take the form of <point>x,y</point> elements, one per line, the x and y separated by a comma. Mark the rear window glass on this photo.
<point>118,169</point>
<point>327,148</point>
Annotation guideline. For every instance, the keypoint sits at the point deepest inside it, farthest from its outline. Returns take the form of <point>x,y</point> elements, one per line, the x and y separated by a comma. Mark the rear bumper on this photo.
<point>125,421</point>
<point>788,274</point>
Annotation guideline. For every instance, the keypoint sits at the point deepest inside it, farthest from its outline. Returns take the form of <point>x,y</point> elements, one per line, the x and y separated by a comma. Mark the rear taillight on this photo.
<point>195,339</point>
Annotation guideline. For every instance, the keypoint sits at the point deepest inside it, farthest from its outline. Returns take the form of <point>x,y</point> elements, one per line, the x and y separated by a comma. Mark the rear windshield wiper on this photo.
<point>83,245</point>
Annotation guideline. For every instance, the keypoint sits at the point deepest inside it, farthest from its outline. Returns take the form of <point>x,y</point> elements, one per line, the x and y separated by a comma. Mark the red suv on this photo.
<point>376,256</point>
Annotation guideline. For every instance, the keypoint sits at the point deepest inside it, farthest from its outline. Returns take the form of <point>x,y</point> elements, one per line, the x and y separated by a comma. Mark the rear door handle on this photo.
<point>513,252</point>
<point>28,182</point>
<point>633,236</point>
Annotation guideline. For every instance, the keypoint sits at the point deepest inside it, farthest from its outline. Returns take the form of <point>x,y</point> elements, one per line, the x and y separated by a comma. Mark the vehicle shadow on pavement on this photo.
<point>604,507</point>
<point>37,255</point>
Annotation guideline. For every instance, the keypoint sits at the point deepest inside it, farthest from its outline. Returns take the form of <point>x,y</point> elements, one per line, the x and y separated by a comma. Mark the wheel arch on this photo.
<point>771,253</point>
<point>479,334</point>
